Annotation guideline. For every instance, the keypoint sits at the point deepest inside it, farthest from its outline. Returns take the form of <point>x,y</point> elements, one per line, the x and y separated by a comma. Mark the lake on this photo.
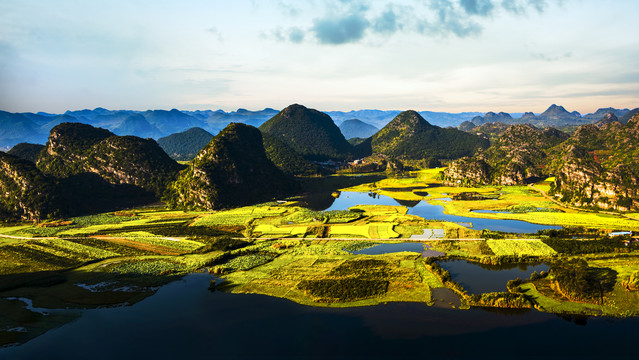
<point>480,278</point>
<point>185,320</point>
<point>425,210</point>
<point>415,246</point>
<point>379,249</point>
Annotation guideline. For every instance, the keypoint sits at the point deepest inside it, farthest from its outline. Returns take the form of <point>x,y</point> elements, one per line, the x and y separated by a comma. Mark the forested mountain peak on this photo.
<point>231,170</point>
<point>311,133</point>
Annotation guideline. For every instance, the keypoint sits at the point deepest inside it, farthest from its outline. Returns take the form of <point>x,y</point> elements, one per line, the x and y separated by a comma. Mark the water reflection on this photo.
<point>185,320</point>
<point>423,209</point>
<point>379,249</point>
<point>480,278</point>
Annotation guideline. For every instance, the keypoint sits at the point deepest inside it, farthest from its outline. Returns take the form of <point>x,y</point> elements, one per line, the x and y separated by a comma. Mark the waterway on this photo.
<point>185,320</point>
<point>423,209</point>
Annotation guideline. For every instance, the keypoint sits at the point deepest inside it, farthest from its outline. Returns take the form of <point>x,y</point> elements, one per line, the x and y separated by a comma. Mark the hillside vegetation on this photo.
<point>75,148</point>
<point>595,167</point>
<point>408,135</point>
<point>185,145</point>
<point>311,133</point>
<point>599,166</point>
<point>231,170</point>
<point>518,155</point>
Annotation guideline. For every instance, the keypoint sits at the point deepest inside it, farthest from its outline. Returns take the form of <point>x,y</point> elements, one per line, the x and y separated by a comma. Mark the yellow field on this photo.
<point>520,247</point>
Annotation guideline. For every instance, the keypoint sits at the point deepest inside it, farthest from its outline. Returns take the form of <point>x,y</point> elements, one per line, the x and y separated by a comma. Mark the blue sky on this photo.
<point>440,55</point>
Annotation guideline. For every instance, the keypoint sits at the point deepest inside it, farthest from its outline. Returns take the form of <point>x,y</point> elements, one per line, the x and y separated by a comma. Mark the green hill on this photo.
<point>491,130</point>
<point>75,148</point>
<point>232,170</point>
<point>596,167</point>
<point>309,132</point>
<point>627,116</point>
<point>26,151</point>
<point>286,159</point>
<point>408,135</point>
<point>185,145</point>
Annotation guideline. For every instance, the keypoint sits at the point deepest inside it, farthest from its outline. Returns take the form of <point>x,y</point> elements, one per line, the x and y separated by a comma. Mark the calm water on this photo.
<point>348,199</point>
<point>391,248</point>
<point>185,320</point>
<point>479,278</point>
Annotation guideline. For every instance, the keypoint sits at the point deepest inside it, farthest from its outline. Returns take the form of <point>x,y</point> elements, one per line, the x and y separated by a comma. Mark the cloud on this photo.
<point>542,56</point>
<point>293,34</point>
<point>296,35</point>
<point>520,7</point>
<point>477,7</point>
<point>215,32</point>
<point>387,23</point>
<point>350,21</point>
<point>342,30</point>
<point>448,20</point>
<point>288,9</point>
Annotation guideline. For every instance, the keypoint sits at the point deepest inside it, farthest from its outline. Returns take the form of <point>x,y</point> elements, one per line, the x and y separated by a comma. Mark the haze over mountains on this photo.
<point>555,115</point>
<point>35,127</point>
<point>356,128</point>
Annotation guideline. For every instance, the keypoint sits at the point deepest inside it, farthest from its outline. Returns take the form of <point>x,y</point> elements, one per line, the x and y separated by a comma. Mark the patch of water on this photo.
<point>29,305</point>
<point>348,199</point>
<point>180,320</point>
<point>480,278</point>
<point>391,248</point>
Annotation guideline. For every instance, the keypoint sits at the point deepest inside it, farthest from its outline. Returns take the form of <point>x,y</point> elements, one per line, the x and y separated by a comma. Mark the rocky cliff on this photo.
<point>27,194</point>
<point>518,156</point>
<point>599,166</point>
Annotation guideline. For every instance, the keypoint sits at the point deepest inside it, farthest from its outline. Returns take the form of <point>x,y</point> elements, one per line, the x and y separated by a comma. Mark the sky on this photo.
<point>439,55</point>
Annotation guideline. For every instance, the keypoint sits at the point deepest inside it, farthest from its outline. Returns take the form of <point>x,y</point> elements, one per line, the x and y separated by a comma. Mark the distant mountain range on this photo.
<point>356,128</point>
<point>555,115</point>
<point>35,127</point>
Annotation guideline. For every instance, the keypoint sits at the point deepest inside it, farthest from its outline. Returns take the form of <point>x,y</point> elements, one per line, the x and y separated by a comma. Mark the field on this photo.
<point>287,250</point>
<point>509,202</point>
<point>323,274</point>
<point>520,247</point>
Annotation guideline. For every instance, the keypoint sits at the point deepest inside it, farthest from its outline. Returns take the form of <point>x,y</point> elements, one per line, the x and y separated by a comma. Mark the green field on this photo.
<point>289,251</point>
<point>339,279</point>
